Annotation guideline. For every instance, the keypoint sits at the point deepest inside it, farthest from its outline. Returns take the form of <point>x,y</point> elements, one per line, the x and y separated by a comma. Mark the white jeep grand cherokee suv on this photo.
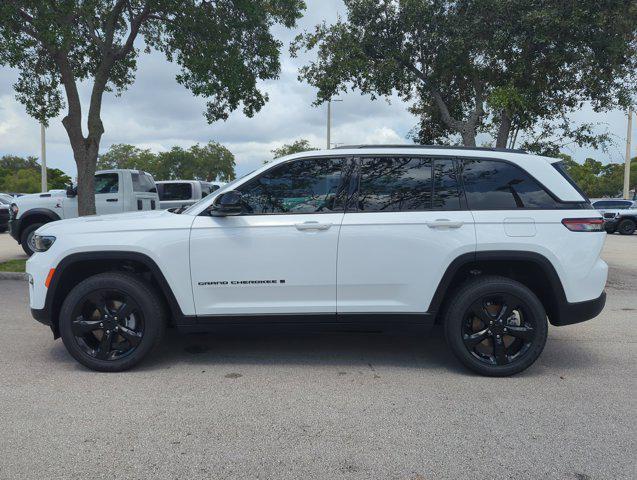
<point>490,243</point>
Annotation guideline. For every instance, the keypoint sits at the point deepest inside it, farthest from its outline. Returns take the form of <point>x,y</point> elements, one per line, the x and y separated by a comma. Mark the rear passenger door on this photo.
<point>405,223</point>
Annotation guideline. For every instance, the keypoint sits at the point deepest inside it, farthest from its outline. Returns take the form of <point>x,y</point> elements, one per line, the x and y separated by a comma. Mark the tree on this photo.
<point>209,162</point>
<point>505,67</point>
<point>300,145</point>
<point>599,180</point>
<point>22,175</point>
<point>222,47</point>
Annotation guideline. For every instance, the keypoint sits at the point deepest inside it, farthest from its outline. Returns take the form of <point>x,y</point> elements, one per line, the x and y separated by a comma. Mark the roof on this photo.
<point>435,147</point>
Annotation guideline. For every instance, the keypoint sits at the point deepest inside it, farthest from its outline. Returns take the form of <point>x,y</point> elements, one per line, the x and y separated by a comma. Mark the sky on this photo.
<point>158,113</point>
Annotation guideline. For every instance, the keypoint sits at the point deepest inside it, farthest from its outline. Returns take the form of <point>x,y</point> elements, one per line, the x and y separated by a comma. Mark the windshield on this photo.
<point>225,188</point>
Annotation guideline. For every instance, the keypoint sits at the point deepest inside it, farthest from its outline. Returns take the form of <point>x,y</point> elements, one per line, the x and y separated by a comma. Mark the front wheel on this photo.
<point>626,227</point>
<point>111,321</point>
<point>496,326</point>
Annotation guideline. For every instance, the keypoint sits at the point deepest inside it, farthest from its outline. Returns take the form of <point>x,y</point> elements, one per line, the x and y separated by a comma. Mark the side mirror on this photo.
<point>71,191</point>
<point>228,204</point>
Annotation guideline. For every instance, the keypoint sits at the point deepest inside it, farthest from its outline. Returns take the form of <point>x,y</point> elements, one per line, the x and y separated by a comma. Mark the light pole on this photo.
<point>329,121</point>
<point>627,165</point>
<point>43,157</point>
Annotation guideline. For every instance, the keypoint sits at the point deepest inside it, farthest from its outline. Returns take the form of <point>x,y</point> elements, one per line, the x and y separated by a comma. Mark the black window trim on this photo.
<point>351,167</point>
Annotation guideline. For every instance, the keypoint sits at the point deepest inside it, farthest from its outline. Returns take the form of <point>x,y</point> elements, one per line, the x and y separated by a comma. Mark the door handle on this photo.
<point>312,226</point>
<point>442,223</point>
<point>111,199</point>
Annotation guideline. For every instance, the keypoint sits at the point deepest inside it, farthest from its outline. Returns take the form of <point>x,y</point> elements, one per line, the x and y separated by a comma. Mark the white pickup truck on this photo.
<point>116,191</point>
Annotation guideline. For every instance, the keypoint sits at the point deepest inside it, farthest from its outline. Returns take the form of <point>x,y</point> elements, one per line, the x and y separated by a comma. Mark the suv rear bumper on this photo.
<point>570,313</point>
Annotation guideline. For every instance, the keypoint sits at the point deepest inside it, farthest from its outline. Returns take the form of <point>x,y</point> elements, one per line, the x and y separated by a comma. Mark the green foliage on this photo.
<point>300,145</point>
<point>223,48</point>
<point>505,67</point>
<point>199,162</point>
<point>599,180</point>
<point>23,175</point>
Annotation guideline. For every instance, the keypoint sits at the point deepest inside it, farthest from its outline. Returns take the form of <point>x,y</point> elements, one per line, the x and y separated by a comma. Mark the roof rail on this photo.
<point>439,147</point>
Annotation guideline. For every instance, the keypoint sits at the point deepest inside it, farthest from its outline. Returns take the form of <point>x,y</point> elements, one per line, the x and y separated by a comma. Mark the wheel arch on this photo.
<point>531,269</point>
<point>79,266</point>
<point>36,215</point>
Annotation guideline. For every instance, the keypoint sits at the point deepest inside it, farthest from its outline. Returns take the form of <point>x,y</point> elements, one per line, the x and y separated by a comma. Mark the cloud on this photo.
<point>157,113</point>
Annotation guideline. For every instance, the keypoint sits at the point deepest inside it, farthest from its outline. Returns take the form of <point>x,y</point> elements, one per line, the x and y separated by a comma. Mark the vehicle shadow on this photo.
<point>425,351</point>
<point>422,350</point>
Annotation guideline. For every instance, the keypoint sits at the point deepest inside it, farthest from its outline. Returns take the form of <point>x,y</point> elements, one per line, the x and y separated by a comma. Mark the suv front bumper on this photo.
<point>14,228</point>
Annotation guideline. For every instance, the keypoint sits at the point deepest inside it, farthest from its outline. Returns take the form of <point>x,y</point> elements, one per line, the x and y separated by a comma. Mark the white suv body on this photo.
<point>358,236</point>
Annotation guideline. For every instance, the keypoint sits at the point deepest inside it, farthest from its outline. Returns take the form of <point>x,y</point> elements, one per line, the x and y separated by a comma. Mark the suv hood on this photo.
<point>119,222</point>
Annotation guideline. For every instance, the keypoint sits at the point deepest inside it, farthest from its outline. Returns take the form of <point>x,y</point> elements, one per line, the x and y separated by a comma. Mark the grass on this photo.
<point>12,266</point>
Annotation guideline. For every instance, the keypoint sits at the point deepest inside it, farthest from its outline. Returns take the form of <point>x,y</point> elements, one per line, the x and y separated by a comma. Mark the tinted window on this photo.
<point>174,191</point>
<point>493,185</point>
<point>300,186</point>
<point>391,184</point>
<point>106,183</point>
<point>143,182</point>
<point>446,191</point>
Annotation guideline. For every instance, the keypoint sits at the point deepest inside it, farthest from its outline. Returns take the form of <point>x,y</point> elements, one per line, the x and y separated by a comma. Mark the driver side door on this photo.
<point>278,257</point>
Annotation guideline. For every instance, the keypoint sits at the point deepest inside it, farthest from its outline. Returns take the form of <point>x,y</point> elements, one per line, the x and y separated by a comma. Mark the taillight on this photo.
<point>584,224</point>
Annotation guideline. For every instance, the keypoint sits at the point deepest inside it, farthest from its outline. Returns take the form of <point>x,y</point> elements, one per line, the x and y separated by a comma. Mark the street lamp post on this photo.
<point>43,157</point>
<point>329,121</point>
<point>627,165</point>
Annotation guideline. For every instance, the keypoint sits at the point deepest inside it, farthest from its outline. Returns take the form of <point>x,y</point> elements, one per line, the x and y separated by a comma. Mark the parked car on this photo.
<point>619,215</point>
<point>183,193</point>
<point>116,191</point>
<point>487,242</point>
<point>5,202</point>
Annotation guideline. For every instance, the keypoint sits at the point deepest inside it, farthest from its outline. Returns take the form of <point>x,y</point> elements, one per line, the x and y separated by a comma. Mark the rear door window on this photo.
<point>395,184</point>
<point>497,185</point>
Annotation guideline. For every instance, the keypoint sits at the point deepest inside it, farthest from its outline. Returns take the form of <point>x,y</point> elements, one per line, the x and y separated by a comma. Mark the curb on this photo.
<point>13,276</point>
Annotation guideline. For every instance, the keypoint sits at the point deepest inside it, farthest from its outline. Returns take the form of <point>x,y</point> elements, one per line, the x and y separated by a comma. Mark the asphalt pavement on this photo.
<point>328,406</point>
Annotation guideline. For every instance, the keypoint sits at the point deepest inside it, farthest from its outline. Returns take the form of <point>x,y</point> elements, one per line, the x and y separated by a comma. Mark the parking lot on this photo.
<point>368,406</point>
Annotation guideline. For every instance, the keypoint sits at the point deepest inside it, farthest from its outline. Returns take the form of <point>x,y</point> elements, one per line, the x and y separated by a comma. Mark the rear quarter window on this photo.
<point>143,182</point>
<point>497,185</point>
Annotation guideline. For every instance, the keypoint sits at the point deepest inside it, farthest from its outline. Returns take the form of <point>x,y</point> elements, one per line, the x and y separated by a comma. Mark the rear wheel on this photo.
<point>27,236</point>
<point>111,321</point>
<point>626,227</point>
<point>496,326</point>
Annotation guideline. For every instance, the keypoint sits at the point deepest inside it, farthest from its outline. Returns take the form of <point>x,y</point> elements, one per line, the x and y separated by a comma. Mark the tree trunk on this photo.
<point>86,162</point>
<point>503,130</point>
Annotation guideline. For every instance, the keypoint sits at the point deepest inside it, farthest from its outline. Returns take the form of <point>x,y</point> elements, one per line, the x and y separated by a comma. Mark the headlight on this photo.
<point>14,210</point>
<point>42,242</point>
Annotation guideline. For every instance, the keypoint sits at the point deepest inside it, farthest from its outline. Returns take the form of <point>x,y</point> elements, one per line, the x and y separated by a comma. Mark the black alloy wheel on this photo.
<point>111,321</point>
<point>107,324</point>
<point>496,326</point>
<point>496,330</point>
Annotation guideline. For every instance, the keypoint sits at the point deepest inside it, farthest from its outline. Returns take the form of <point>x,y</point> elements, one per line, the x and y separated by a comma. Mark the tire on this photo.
<point>477,329</point>
<point>626,226</point>
<point>26,238</point>
<point>89,321</point>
